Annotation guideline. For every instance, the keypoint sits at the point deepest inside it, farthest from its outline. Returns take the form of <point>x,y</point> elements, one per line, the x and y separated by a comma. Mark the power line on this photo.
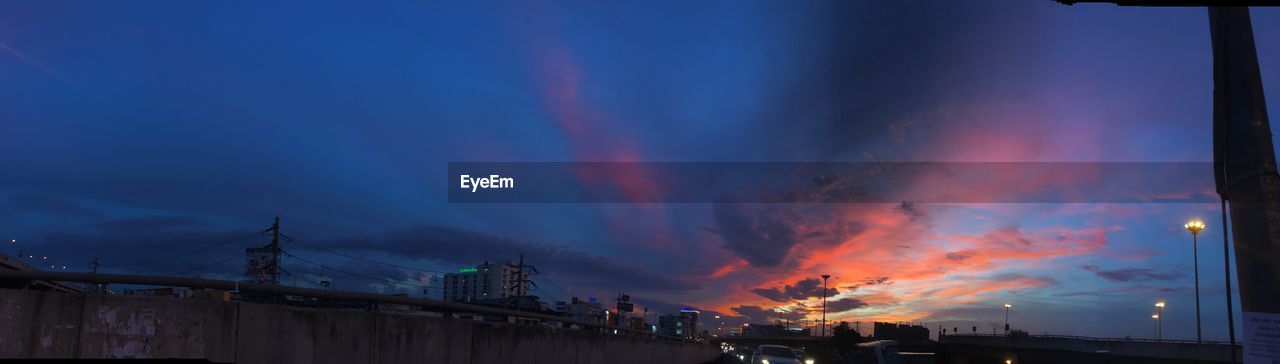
<point>183,254</point>
<point>330,251</point>
<point>209,265</point>
<point>353,273</point>
<point>557,286</point>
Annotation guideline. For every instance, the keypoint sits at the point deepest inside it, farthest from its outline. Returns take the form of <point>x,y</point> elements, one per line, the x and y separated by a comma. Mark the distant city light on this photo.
<point>1160,304</point>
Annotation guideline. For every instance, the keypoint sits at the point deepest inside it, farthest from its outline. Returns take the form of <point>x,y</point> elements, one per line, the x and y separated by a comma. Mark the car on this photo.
<point>743,354</point>
<point>801,354</point>
<point>775,354</point>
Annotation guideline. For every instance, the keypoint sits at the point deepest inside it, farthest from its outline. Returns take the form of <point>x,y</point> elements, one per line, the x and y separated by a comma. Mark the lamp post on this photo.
<point>1155,326</point>
<point>1194,226</point>
<point>1006,317</point>
<point>1159,324</point>
<point>824,305</point>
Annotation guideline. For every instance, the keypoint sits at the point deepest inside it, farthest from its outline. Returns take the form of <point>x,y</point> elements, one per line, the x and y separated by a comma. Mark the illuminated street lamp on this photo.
<point>1155,327</point>
<point>1006,317</point>
<point>1159,324</point>
<point>1194,226</point>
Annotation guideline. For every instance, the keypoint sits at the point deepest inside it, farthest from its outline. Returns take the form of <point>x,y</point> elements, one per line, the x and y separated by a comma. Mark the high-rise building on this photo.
<point>486,281</point>
<point>675,325</point>
<point>692,314</point>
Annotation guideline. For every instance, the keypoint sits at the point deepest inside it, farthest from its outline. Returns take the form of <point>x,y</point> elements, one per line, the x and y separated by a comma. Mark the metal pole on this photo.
<point>1195,258</point>
<point>1226,265</point>
<point>1006,318</point>
<point>1155,327</point>
<point>824,305</point>
<point>1160,323</point>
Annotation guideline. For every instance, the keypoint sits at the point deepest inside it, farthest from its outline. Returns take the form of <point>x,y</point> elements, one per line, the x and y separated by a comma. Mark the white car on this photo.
<point>775,354</point>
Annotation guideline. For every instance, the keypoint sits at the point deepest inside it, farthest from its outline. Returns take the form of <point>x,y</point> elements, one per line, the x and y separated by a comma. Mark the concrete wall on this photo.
<point>962,349</point>
<point>36,324</point>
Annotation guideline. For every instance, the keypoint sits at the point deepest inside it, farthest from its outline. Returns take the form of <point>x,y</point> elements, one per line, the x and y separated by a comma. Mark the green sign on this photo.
<point>467,270</point>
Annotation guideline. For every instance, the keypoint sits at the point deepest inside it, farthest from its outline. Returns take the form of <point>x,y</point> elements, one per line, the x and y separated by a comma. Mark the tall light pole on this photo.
<point>1006,317</point>
<point>824,305</point>
<point>1155,326</point>
<point>1194,226</point>
<point>1159,323</point>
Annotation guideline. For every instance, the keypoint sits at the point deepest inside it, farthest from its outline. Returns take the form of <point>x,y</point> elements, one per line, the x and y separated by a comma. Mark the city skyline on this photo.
<point>341,121</point>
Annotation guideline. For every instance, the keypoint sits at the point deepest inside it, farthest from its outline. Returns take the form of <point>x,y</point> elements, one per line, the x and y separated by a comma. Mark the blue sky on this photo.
<point>145,128</point>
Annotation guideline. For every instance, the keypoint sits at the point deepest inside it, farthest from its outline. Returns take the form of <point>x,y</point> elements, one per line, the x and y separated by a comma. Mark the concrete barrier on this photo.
<point>41,324</point>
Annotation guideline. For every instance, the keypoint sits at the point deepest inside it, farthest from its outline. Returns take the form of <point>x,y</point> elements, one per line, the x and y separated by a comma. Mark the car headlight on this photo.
<point>808,361</point>
<point>764,361</point>
<point>741,358</point>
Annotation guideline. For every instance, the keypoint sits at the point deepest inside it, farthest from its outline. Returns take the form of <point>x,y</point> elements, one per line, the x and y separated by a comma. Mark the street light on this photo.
<point>1195,226</point>
<point>1006,316</point>
<point>1159,324</point>
<point>823,330</point>
<point>1155,327</point>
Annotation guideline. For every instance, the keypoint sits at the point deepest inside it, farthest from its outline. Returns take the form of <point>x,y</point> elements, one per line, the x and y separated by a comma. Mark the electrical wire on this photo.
<point>330,251</point>
<point>208,265</point>
<point>353,273</point>
<point>182,254</point>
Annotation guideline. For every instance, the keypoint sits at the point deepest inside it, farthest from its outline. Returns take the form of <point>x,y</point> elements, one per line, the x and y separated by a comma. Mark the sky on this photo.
<point>139,133</point>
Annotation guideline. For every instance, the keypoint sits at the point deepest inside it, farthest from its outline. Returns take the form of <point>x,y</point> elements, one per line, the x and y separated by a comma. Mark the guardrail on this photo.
<point>444,307</point>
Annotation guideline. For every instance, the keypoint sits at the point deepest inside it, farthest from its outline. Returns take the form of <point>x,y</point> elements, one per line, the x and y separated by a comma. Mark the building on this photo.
<point>487,281</point>
<point>692,314</point>
<point>589,311</point>
<point>675,325</point>
<point>905,334</point>
<point>764,330</point>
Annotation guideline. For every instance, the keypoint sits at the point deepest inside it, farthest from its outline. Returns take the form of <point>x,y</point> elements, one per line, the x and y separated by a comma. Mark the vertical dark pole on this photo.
<point>1006,318</point>
<point>1245,169</point>
<point>1195,259</point>
<point>275,252</point>
<point>824,305</point>
<point>1226,265</point>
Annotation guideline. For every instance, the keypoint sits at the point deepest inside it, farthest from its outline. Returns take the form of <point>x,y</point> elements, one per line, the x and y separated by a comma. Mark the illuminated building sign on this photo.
<point>466,270</point>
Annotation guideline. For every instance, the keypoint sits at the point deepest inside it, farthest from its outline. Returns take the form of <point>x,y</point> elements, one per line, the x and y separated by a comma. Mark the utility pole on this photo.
<point>824,305</point>
<point>518,277</point>
<point>275,252</point>
<point>93,267</point>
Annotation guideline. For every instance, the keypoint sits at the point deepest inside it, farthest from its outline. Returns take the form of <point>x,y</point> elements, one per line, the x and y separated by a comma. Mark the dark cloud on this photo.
<point>1133,274</point>
<point>803,289</point>
<point>466,248</point>
<point>867,282</point>
<point>763,236</point>
<point>162,245</point>
<point>152,224</point>
<point>756,314</point>
<point>845,304</point>
<point>51,204</point>
<point>841,102</point>
<point>958,255</point>
<point>909,208</point>
<point>767,235</point>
